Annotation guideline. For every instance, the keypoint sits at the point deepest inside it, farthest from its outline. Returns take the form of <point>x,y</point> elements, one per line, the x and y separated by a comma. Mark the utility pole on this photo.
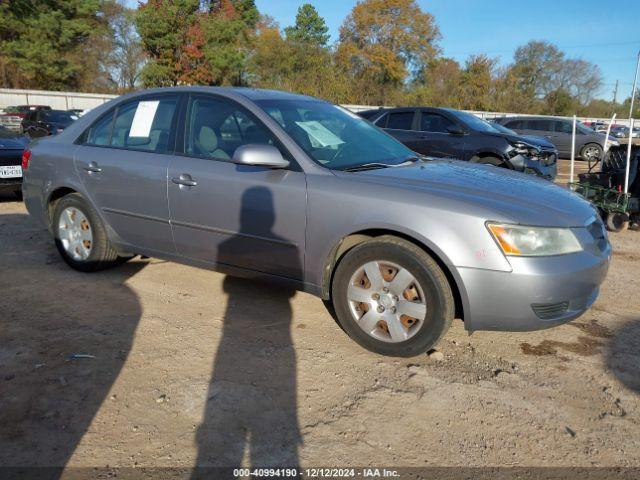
<point>615,94</point>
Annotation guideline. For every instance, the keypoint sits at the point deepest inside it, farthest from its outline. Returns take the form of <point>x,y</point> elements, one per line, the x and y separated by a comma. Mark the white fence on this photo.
<point>87,101</point>
<point>56,100</point>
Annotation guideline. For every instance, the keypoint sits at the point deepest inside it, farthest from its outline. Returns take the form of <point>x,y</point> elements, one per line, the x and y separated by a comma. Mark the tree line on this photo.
<point>388,53</point>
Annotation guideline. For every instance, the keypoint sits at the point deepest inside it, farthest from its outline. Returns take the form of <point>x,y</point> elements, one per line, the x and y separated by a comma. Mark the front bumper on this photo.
<point>538,293</point>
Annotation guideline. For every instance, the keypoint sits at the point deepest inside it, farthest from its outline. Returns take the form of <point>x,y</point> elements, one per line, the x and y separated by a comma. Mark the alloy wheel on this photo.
<point>386,301</point>
<point>75,233</point>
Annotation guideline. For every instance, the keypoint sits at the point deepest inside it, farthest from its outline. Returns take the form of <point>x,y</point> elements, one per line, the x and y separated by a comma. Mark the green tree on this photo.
<point>42,43</point>
<point>310,28</point>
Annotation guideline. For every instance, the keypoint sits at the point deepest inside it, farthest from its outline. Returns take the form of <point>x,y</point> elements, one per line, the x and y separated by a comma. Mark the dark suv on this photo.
<point>443,132</point>
<point>41,123</point>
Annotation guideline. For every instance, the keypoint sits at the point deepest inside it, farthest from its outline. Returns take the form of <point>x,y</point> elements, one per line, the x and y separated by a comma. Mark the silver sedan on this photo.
<point>295,190</point>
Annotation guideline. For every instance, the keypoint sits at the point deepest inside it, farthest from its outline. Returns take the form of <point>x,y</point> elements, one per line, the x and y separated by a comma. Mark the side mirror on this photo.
<point>455,130</point>
<point>259,156</point>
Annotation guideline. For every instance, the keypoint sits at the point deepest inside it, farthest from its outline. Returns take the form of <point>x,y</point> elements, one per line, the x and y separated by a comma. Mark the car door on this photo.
<point>123,164</point>
<point>562,136</point>
<point>435,139</point>
<point>248,217</point>
<point>401,124</point>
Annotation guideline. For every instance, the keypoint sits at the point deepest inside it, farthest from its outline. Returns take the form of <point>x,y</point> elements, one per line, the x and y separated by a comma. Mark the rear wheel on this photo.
<point>391,297</point>
<point>592,153</point>
<point>80,235</point>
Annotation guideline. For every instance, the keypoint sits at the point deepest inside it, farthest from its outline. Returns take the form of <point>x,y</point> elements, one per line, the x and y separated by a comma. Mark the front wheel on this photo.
<point>391,297</point>
<point>80,235</point>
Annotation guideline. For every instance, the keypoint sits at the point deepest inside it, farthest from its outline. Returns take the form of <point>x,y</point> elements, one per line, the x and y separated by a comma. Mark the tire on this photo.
<point>72,211</point>
<point>617,222</point>
<point>392,332</point>
<point>591,153</point>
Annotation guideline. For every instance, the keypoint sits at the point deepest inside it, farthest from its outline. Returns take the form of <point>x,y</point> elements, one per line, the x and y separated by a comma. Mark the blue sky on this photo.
<point>588,29</point>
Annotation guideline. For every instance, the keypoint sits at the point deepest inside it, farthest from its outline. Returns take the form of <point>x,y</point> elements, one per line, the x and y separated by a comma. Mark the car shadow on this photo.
<point>623,355</point>
<point>251,404</point>
<point>64,338</point>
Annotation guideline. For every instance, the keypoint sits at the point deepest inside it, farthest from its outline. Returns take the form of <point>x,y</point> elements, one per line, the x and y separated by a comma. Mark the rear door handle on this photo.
<point>184,180</point>
<point>93,168</point>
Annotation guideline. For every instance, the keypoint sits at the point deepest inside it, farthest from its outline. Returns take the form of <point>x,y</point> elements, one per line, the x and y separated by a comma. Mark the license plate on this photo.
<point>11,171</point>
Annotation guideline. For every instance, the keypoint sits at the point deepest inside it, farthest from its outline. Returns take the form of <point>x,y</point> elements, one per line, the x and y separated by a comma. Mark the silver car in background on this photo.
<point>292,189</point>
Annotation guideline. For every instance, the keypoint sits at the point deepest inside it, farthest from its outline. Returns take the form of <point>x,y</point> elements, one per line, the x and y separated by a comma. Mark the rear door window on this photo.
<point>514,124</point>
<point>400,121</point>
<point>539,125</point>
<point>100,132</point>
<point>144,124</point>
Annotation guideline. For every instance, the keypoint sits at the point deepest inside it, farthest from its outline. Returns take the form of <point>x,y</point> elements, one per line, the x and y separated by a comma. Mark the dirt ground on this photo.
<point>191,367</point>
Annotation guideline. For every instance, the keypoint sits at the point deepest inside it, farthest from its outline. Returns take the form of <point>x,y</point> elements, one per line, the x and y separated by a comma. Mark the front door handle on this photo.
<point>184,180</point>
<point>93,167</point>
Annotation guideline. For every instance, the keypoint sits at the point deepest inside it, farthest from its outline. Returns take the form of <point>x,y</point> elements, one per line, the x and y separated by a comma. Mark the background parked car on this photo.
<point>41,123</point>
<point>447,133</point>
<point>623,132</point>
<point>12,117</point>
<point>12,146</point>
<point>589,144</point>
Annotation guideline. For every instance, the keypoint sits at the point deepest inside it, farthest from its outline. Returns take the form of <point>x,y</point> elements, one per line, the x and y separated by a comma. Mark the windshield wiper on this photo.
<point>376,165</point>
<point>367,166</point>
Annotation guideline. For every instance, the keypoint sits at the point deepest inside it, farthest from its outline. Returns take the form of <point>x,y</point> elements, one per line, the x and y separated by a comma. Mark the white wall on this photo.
<point>56,100</point>
<point>86,101</point>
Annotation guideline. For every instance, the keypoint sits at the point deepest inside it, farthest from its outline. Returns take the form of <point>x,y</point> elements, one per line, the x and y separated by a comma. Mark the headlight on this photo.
<point>518,240</point>
<point>522,148</point>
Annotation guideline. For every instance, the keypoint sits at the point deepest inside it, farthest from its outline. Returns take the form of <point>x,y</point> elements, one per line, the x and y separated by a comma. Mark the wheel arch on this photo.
<point>55,195</point>
<point>351,240</point>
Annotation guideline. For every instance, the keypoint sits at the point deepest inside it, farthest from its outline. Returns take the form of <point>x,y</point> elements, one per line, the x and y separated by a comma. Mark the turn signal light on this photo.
<point>26,155</point>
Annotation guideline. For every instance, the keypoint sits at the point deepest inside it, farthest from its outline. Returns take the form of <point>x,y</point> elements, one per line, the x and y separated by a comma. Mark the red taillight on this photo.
<point>26,155</point>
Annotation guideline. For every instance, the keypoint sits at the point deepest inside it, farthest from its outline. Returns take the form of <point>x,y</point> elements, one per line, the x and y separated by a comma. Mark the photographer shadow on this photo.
<point>251,404</point>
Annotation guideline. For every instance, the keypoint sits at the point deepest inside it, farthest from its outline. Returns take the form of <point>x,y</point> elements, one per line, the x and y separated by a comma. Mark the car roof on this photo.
<point>250,93</point>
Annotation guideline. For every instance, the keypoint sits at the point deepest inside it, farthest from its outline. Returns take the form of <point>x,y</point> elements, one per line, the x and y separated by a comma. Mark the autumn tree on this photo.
<point>384,43</point>
<point>163,26</point>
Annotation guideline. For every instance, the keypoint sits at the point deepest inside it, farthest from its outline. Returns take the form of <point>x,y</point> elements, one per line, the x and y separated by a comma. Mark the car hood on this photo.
<point>530,139</point>
<point>484,190</point>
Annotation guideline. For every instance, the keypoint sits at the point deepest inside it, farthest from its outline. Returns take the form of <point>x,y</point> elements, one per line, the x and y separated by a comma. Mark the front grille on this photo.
<point>548,158</point>
<point>549,311</point>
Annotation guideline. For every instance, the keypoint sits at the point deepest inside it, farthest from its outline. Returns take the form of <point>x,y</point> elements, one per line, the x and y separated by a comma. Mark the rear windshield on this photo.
<point>56,116</point>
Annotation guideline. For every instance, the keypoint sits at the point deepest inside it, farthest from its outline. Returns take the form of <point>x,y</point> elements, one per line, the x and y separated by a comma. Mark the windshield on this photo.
<point>333,136</point>
<point>503,129</point>
<point>474,122</point>
<point>61,117</point>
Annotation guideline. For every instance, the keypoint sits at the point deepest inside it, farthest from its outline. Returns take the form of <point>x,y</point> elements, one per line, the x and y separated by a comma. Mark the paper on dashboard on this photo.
<point>321,134</point>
